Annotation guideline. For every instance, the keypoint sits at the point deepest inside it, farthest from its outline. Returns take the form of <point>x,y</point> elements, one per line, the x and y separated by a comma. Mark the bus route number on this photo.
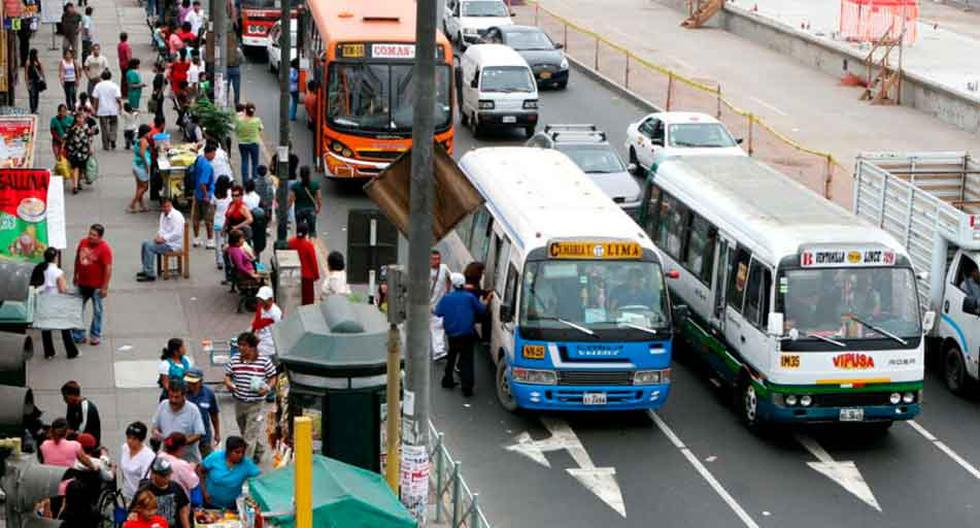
<point>533,352</point>
<point>352,51</point>
<point>789,361</point>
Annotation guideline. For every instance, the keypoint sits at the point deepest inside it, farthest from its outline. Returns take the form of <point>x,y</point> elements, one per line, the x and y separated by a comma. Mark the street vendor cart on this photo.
<point>173,162</point>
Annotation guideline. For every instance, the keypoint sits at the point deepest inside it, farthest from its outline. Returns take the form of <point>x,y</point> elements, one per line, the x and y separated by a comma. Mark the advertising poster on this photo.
<point>24,213</point>
<point>17,140</point>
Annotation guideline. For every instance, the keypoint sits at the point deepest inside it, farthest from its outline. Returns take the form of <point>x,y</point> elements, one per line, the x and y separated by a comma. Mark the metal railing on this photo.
<point>456,505</point>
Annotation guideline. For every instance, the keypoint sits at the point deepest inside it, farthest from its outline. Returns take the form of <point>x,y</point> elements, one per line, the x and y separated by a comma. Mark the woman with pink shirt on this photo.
<point>57,451</point>
<point>185,474</point>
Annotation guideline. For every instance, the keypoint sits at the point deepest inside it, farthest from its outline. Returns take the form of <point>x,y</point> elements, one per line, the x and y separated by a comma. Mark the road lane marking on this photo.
<point>945,449</point>
<point>769,106</point>
<point>844,472</point>
<point>601,481</point>
<point>703,471</point>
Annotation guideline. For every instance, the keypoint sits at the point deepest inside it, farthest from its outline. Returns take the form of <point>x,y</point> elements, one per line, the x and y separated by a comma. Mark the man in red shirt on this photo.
<point>308,267</point>
<point>93,270</point>
<point>125,53</point>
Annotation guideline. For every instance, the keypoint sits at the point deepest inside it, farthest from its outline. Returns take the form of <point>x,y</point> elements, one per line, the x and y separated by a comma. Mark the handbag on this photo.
<point>42,85</point>
<point>91,170</point>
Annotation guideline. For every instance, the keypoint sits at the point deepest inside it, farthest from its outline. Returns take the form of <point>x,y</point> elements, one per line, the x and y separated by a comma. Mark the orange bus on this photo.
<point>360,84</point>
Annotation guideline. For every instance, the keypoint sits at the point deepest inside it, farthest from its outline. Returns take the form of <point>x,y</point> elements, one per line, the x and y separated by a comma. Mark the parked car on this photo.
<point>466,21</point>
<point>544,56</point>
<point>587,146</point>
<point>667,134</point>
<point>272,47</point>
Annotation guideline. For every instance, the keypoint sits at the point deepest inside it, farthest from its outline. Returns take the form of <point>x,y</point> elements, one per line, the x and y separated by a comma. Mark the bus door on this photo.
<point>502,330</point>
<point>723,262</point>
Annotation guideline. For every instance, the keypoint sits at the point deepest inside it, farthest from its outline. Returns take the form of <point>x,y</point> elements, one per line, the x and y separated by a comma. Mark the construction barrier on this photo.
<point>668,90</point>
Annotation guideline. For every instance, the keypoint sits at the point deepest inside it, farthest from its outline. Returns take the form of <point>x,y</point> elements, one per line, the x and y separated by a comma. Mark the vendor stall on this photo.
<point>173,162</point>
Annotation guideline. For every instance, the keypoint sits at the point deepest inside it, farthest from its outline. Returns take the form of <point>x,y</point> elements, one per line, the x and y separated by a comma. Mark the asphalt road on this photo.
<point>692,465</point>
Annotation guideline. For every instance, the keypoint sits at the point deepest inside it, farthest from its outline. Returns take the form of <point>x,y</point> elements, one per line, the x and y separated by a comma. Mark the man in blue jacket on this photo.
<point>459,310</point>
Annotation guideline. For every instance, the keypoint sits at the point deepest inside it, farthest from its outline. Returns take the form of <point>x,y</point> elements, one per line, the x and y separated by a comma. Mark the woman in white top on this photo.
<point>222,199</point>
<point>68,75</point>
<point>135,459</point>
<point>50,280</point>
<point>336,281</point>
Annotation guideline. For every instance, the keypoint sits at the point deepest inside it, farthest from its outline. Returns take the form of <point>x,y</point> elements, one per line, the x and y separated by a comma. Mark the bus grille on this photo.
<point>595,377</point>
<point>379,154</point>
<point>856,399</point>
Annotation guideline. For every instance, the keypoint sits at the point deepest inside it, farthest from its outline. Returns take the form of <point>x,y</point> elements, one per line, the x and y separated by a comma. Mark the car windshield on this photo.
<point>594,159</point>
<point>851,303</point>
<point>374,97</point>
<point>593,294</point>
<point>485,9</point>
<point>507,79</point>
<point>528,40</point>
<point>699,135</point>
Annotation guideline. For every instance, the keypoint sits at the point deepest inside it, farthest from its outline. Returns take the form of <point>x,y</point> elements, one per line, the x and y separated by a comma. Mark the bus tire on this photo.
<point>477,131</point>
<point>504,394</point>
<point>954,370</point>
<point>529,131</point>
<point>747,403</point>
<point>463,118</point>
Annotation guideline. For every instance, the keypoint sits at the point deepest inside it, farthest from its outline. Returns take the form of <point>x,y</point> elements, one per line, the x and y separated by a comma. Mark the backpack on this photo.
<point>190,177</point>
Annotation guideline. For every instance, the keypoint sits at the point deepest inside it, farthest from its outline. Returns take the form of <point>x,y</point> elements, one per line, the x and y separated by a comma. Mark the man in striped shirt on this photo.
<point>249,377</point>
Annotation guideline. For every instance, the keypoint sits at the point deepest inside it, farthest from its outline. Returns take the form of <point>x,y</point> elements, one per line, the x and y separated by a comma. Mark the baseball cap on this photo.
<point>88,441</point>
<point>457,279</point>
<point>193,375</point>
<point>161,466</point>
<point>265,293</point>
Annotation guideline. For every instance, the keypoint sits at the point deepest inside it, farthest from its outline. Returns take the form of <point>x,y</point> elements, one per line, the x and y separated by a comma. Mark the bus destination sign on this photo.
<point>381,51</point>
<point>579,249</point>
<point>839,257</point>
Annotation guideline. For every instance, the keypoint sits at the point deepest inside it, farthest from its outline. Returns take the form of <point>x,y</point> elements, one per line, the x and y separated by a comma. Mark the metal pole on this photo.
<point>420,241</point>
<point>222,50</point>
<point>282,170</point>
<point>303,470</point>
<point>392,470</point>
<point>212,36</point>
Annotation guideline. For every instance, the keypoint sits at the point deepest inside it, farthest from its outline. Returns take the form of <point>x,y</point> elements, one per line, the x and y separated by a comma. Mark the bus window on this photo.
<point>464,229</point>
<point>653,208</point>
<point>480,240</point>
<point>700,248</point>
<point>673,222</point>
<point>757,299</point>
<point>510,291</point>
<point>737,277</point>
<point>503,254</point>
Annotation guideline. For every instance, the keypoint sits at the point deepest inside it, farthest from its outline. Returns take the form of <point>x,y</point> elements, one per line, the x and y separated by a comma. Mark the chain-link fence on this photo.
<point>456,505</point>
<point>669,90</point>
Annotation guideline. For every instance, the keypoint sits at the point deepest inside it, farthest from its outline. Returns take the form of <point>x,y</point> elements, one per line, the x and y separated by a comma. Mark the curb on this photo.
<point>626,93</point>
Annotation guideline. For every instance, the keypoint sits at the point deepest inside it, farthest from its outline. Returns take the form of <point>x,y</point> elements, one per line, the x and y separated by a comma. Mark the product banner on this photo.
<point>18,136</point>
<point>24,222</point>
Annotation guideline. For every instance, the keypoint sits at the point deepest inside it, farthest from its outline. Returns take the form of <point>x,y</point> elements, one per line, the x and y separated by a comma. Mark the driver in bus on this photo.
<point>633,292</point>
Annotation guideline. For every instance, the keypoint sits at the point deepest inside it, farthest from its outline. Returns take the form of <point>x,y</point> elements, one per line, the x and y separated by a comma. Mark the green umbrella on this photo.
<point>344,496</point>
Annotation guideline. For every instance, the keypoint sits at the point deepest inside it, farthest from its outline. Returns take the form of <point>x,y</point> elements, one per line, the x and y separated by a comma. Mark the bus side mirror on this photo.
<point>506,313</point>
<point>680,312</point>
<point>928,321</point>
<point>738,141</point>
<point>775,325</point>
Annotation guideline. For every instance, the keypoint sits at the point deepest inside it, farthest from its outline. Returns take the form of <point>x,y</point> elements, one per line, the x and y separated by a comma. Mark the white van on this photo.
<point>497,89</point>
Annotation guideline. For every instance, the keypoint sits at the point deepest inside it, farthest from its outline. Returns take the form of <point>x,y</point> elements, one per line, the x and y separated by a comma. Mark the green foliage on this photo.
<point>217,123</point>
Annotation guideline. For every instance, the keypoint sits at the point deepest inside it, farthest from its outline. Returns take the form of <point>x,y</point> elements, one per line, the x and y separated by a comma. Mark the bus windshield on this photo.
<point>851,303</point>
<point>377,97</point>
<point>594,295</point>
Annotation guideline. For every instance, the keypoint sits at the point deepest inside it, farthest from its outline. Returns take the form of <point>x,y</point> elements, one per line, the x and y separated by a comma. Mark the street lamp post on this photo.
<point>282,168</point>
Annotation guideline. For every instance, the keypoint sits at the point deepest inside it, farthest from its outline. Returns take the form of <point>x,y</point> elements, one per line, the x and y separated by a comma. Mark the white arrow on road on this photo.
<point>600,481</point>
<point>844,473</point>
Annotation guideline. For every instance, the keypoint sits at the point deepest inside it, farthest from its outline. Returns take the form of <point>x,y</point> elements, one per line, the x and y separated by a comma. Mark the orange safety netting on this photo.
<point>875,20</point>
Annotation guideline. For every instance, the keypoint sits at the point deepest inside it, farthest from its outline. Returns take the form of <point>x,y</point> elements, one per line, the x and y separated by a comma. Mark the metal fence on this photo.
<point>456,505</point>
<point>669,90</point>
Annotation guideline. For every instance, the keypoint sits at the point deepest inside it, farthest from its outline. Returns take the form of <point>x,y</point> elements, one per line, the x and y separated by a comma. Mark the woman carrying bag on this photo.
<point>78,149</point>
<point>49,279</point>
<point>36,83</point>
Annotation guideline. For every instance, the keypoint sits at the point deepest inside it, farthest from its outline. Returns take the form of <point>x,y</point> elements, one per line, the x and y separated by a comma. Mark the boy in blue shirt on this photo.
<point>459,310</point>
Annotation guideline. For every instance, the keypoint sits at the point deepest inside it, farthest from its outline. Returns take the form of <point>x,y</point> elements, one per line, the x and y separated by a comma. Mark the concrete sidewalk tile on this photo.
<point>136,374</point>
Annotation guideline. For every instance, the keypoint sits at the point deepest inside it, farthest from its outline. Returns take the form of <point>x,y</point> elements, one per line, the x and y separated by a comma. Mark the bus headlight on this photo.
<point>895,398</point>
<point>534,376</point>
<point>486,105</point>
<point>339,148</point>
<point>651,377</point>
<point>908,397</point>
<point>791,400</point>
<point>806,400</point>
<point>531,104</point>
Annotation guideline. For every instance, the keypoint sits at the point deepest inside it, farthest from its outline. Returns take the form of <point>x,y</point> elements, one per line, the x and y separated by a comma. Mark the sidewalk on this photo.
<point>804,104</point>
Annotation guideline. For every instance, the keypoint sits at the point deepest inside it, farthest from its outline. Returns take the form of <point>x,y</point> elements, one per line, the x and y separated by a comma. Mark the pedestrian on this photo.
<point>124,54</point>
<point>264,190</point>
<point>196,18</point>
<point>224,472</point>
<point>206,401</point>
<point>169,237</point>
<point>68,72</point>
<point>309,269</point>
<point>108,101</point>
<point>174,448</point>
<point>82,485</point>
<point>82,414</point>
<point>24,35</point>
<point>194,72</point>
<point>176,415</point>
<point>174,43</point>
<point>141,169</point>
<point>235,58</point>
<point>85,105</point>
<point>293,88</point>
<point>238,216</point>
<point>60,124</point>
<point>222,199</point>
<point>155,105</point>
<point>135,459</point>
<point>459,311</point>
<point>144,510</point>
<point>174,363</point>
<point>249,377</point>
<point>182,11</point>
<point>473,273</point>
<point>248,132</point>
<point>88,33</point>
<point>251,198</point>
<point>36,81</point>
<point>188,37</point>
<point>336,281</point>
<point>202,207</point>
<point>267,314</point>
<point>178,72</point>
<point>57,450</point>
<point>130,124</point>
<point>304,195</point>
<point>438,286</point>
<point>71,21</point>
<point>241,260</point>
<point>156,181</point>
<point>172,503</point>
<point>95,64</point>
<point>134,84</point>
<point>49,279</point>
<point>93,271</point>
<point>78,149</point>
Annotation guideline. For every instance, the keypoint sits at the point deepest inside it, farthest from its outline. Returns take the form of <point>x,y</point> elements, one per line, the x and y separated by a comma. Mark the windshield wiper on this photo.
<point>569,324</point>
<point>637,327</point>
<point>825,339</point>
<point>878,329</point>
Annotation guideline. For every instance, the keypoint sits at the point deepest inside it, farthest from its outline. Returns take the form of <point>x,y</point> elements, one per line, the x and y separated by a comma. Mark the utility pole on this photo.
<point>282,170</point>
<point>212,37</point>
<point>415,438</point>
<point>221,49</point>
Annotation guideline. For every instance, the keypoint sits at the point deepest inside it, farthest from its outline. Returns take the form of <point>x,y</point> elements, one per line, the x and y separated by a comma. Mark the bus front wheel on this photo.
<point>954,370</point>
<point>748,404</point>
<point>504,392</point>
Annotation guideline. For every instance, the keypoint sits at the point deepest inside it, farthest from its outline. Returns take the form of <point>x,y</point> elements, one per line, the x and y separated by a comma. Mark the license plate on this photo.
<point>594,398</point>
<point>545,75</point>
<point>509,119</point>
<point>852,415</point>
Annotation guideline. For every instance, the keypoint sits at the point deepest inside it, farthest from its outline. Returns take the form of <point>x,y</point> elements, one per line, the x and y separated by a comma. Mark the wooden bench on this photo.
<point>176,263</point>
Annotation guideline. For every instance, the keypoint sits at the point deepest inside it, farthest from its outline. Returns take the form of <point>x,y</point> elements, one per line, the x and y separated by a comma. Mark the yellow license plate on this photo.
<point>545,75</point>
<point>534,351</point>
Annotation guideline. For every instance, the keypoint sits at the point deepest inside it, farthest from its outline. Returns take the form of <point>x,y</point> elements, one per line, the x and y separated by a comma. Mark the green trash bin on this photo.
<point>334,355</point>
